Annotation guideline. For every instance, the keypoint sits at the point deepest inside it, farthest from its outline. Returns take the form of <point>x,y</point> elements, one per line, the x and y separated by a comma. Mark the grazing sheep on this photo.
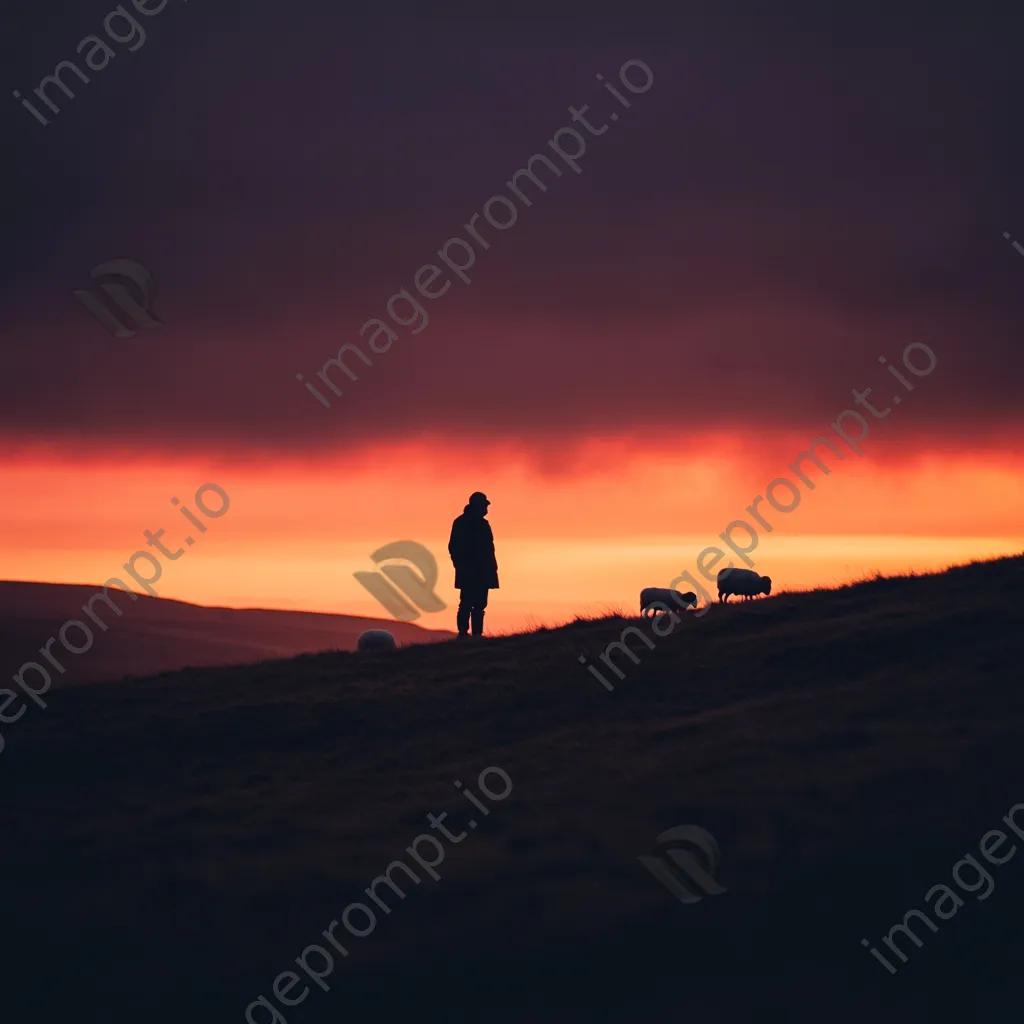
<point>377,640</point>
<point>651,596</point>
<point>743,582</point>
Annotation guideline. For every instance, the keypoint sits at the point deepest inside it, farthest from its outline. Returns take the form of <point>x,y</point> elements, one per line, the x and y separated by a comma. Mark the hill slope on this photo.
<point>156,634</point>
<point>175,843</point>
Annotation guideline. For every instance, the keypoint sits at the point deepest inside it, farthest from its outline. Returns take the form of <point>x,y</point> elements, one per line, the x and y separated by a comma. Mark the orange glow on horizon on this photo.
<point>579,537</point>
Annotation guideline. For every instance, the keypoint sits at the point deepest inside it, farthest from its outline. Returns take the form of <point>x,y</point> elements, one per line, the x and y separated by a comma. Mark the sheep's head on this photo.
<point>766,585</point>
<point>689,598</point>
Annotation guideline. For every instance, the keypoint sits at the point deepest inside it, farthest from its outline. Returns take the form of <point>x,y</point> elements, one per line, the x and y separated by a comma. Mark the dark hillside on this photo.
<point>174,843</point>
<point>158,634</point>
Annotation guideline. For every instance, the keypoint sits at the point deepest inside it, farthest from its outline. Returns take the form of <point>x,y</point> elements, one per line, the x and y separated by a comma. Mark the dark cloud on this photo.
<point>793,197</point>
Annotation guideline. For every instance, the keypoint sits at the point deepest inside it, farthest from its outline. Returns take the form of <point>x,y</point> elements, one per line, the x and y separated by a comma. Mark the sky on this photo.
<point>793,196</point>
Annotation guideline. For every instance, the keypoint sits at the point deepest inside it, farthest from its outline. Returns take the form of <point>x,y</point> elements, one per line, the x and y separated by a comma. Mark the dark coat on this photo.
<point>472,549</point>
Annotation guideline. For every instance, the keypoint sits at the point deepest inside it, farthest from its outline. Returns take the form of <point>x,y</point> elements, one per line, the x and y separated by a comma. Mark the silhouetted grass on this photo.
<point>173,843</point>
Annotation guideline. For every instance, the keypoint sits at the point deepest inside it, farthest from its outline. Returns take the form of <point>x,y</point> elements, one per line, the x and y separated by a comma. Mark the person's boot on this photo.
<point>462,620</point>
<point>478,622</point>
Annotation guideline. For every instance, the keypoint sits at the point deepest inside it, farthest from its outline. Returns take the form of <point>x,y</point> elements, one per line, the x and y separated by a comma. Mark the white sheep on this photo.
<point>650,597</point>
<point>377,640</point>
<point>744,583</point>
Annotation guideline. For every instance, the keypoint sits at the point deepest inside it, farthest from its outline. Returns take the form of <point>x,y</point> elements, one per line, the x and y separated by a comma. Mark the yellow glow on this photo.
<point>582,538</point>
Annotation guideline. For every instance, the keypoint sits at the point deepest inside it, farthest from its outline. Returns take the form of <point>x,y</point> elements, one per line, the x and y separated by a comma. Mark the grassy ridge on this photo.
<point>175,842</point>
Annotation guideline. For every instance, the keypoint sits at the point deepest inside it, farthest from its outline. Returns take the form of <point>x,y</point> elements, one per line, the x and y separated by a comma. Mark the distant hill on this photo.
<point>174,844</point>
<point>156,634</point>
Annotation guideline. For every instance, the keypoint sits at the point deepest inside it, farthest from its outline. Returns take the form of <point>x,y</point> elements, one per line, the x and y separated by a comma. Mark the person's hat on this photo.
<point>478,498</point>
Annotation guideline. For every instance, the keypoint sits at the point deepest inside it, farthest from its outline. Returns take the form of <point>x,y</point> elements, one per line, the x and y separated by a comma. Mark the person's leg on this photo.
<point>462,616</point>
<point>479,604</point>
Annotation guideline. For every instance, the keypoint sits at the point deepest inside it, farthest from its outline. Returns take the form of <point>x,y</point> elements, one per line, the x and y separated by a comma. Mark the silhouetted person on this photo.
<point>476,569</point>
